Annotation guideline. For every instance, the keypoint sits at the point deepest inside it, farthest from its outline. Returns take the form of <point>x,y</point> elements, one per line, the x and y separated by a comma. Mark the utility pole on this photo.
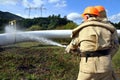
<point>36,8</point>
<point>41,9</point>
<point>29,11</point>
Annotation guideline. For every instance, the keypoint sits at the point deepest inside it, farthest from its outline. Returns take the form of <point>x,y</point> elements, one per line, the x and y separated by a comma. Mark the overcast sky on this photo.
<point>70,8</point>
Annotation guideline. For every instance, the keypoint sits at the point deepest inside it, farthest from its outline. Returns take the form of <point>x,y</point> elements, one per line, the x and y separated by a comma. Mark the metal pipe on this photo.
<point>11,38</point>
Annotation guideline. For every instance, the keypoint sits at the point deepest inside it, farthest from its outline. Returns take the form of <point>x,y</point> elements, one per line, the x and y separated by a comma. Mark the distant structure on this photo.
<point>41,9</point>
<point>13,22</point>
<point>29,10</point>
<point>35,8</point>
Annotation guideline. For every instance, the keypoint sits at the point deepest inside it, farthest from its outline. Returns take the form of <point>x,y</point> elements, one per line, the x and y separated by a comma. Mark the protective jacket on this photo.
<point>115,41</point>
<point>94,36</point>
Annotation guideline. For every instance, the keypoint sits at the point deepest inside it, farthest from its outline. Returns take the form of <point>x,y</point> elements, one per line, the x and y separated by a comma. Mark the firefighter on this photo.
<point>93,39</point>
<point>115,41</point>
<point>103,17</point>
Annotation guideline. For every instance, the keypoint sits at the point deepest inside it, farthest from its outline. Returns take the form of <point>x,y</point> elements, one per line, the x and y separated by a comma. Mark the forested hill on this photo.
<point>50,22</point>
<point>39,23</point>
<point>10,16</point>
<point>5,17</point>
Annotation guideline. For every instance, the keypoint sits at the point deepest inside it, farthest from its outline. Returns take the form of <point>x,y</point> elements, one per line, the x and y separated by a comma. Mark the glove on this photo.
<point>68,49</point>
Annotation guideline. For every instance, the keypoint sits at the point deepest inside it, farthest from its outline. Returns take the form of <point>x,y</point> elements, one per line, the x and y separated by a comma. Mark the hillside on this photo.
<point>39,23</point>
<point>10,16</point>
<point>5,17</point>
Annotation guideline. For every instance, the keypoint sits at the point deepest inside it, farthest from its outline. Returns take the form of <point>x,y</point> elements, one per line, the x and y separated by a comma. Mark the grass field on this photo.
<point>33,61</point>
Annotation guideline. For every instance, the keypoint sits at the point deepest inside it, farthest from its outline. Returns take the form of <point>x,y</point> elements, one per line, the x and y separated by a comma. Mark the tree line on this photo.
<point>45,23</point>
<point>41,23</point>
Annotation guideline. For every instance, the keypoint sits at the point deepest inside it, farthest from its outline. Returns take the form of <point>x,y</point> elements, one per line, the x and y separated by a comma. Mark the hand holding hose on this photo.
<point>70,49</point>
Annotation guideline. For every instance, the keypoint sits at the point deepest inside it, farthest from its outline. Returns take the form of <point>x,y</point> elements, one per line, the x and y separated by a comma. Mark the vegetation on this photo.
<point>5,17</point>
<point>34,61</point>
<point>116,61</point>
<point>41,23</point>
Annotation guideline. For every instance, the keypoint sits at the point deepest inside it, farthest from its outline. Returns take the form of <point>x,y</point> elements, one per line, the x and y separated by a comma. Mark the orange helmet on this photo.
<point>102,11</point>
<point>100,8</point>
<point>91,10</point>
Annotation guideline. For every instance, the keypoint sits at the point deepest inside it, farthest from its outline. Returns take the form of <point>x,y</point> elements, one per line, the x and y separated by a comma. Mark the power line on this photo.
<point>29,11</point>
<point>41,9</point>
<point>35,8</point>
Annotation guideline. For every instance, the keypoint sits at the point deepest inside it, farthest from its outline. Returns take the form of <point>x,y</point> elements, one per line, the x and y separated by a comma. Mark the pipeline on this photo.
<point>15,37</point>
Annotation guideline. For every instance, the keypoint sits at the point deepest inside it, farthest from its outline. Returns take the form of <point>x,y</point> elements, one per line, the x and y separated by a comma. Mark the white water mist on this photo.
<point>12,30</point>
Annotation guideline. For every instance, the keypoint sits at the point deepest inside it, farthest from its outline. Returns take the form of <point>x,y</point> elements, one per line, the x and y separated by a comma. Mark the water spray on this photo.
<point>14,34</point>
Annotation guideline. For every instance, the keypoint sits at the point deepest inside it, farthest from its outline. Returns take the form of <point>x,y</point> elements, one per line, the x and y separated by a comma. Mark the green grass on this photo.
<point>33,61</point>
<point>37,62</point>
<point>116,61</point>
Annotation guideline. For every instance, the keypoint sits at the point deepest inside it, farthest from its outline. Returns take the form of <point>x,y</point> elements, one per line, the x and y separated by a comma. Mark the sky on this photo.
<point>70,8</point>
